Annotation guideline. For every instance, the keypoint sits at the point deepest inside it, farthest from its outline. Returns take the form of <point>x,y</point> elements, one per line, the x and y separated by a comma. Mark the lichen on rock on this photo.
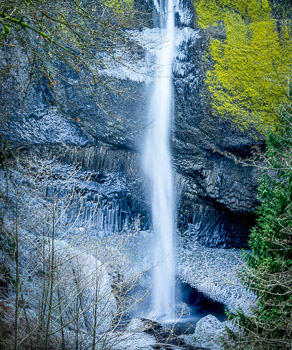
<point>251,65</point>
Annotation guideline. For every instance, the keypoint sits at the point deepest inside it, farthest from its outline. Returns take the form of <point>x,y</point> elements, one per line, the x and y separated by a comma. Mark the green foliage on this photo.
<point>212,11</point>
<point>269,267</point>
<point>251,66</point>
<point>5,30</point>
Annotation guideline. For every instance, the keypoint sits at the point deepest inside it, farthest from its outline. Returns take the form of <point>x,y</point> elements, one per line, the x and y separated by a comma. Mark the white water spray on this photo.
<point>157,162</point>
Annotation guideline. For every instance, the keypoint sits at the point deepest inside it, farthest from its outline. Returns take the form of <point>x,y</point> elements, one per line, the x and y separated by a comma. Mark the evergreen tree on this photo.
<point>269,266</point>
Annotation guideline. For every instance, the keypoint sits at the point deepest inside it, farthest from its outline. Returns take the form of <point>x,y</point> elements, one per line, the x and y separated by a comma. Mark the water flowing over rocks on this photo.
<point>158,167</point>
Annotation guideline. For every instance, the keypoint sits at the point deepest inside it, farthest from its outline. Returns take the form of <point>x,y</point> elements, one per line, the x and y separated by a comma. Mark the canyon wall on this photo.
<point>216,190</point>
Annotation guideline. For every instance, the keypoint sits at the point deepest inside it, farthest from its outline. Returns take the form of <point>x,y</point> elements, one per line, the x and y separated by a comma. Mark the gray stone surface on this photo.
<point>208,332</point>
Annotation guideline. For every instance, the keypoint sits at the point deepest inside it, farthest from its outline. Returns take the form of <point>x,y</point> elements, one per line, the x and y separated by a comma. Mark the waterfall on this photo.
<point>157,164</point>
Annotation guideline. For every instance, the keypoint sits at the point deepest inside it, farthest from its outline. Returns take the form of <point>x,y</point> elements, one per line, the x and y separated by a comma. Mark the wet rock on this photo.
<point>166,337</point>
<point>208,332</point>
<point>151,325</point>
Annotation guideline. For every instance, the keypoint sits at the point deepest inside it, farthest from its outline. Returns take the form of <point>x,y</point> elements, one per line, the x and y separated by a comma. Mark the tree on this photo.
<point>269,266</point>
<point>56,298</point>
<point>64,43</point>
<point>58,290</point>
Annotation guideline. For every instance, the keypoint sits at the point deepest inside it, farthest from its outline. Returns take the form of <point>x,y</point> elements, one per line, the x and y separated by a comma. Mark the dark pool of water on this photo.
<point>198,304</point>
<point>192,305</point>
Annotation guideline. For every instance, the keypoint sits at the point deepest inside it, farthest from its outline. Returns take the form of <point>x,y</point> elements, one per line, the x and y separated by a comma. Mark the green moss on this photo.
<point>251,66</point>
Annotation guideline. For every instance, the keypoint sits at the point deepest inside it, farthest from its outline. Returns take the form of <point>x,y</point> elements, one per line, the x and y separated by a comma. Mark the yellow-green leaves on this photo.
<point>251,66</point>
<point>5,31</point>
<point>212,11</point>
<point>209,13</point>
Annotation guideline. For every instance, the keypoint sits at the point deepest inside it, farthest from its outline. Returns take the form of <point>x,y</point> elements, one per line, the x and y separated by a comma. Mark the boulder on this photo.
<point>208,332</point>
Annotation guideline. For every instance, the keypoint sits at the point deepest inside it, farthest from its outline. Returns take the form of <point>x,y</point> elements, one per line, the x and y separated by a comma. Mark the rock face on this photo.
<point>216,195</point>
<point>217,189</point>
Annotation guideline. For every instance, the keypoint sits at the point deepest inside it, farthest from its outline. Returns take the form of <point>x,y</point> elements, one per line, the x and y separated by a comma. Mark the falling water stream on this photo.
<point>157,164</point>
